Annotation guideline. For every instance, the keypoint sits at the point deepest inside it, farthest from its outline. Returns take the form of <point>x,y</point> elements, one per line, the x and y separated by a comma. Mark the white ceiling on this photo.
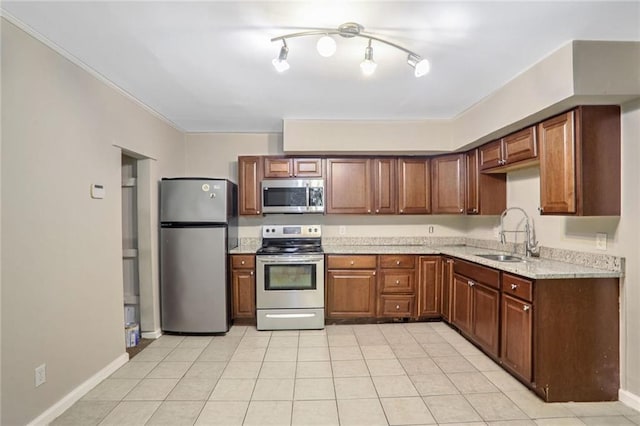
<point>206,66</point>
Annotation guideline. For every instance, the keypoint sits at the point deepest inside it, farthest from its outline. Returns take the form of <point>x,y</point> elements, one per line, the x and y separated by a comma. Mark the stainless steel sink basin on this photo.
<point>501,257</point>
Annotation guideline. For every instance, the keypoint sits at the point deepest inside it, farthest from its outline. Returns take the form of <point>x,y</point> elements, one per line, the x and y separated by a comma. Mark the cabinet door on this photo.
<point>307,167</point>
<point>446,290</point>
<point>351,294</point>
<point>414,186</point>
<point>490,155</point>
<point>472,200</point>
<point>447,189</point>
<point>557,164</point>
<point>429,283</point>
<point>520,146</point>
<point>349,185</point>
<point>244,293</point>
<point>461,303</point>
<point>277,167</point>
<point>486,305</point>
<point>249,177</point>
<point>516,336</point>
<point>384,185</point>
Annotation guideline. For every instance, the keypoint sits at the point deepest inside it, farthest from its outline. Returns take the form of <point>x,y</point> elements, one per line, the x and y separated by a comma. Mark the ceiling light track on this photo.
<point>326,47</point>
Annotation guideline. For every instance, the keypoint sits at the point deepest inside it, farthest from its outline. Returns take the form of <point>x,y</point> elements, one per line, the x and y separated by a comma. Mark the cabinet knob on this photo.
<point>397,262</point>
<point>251,273</point>
<point>461,210</point>
<point>242,262</point>
<point>514,286</point>
<point>397,281</point>
<point>397,307</point>
<point>369,211</point>
<point>374,272</point>
<point>526,308</point>
<point>377,211</point>
<point>258,212</point>
<point>471,283</point>
<point>401,211</point>
<point>353,262</point>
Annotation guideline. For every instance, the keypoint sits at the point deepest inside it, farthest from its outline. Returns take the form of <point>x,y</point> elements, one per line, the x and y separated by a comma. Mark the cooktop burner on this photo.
<point>291,239</point>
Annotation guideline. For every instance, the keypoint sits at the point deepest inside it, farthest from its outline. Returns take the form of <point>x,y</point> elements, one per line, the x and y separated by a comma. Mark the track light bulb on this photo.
<point>368,65</point>
<point>326,46</point>
<point>280,63</point>
<point>420,66</point>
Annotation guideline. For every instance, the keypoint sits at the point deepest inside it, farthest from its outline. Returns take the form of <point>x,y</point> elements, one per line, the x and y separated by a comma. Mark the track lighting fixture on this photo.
<point>368,66</point>
<point>326,46</point>
<point>280,63</point>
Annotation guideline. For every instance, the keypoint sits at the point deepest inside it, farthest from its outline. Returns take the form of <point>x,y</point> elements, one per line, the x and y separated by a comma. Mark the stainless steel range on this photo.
<point>290,278</point>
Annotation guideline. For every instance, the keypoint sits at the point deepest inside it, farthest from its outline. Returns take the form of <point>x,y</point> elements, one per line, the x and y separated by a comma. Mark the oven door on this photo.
<point>287,281</point>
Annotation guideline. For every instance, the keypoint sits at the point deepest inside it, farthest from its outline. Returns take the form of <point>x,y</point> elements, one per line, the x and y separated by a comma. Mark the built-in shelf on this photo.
<point>129,182</point>
<point>129,253</point>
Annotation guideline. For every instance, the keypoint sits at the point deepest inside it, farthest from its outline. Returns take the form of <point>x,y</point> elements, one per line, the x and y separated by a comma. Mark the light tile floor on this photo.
<point>385,374</point>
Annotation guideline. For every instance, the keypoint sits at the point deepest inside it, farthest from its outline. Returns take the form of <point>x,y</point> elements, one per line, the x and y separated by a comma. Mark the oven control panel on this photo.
<point>291,231</point>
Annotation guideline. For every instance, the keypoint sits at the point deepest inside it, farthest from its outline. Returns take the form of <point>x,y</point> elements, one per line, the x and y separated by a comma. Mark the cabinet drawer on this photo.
<point>240,261</point>
<point>517,286</point>
<point>397,281</point>
<point>351,262</point>
<point>397,261</point>
<point>396,306</point>
<point>482,274</point>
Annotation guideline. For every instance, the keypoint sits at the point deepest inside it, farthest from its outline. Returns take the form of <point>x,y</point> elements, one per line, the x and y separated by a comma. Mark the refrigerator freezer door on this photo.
<point>193,201</point>
<point>193,268</point>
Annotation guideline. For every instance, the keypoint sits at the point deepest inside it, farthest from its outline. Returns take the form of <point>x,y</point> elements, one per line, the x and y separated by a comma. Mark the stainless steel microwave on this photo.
<point>293,196</point>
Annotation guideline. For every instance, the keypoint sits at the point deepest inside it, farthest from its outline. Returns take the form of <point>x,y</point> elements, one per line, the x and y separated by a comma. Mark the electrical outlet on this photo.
<point>601,241</point>
<point>41,374</point>
<point>342,230</point>
<point>431,229</point>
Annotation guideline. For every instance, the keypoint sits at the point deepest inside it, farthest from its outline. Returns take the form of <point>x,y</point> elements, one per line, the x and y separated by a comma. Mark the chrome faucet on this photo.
<point>530,245</point>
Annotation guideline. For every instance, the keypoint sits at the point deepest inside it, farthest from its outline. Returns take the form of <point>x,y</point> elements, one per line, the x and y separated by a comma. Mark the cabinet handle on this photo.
<point>471,283</point>
<point>526,308</point>
<point>514,286</point>
<point>397,307</point>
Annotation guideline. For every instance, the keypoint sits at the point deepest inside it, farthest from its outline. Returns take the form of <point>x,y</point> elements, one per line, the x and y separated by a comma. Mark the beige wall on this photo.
<point>62,296</point>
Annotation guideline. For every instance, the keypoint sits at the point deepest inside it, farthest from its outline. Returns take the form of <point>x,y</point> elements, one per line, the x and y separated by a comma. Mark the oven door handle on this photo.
<point>290,315</point>
<point>290,259</point>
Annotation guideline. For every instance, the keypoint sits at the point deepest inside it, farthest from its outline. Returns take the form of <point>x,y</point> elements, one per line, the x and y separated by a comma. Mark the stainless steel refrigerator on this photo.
<point>198,227</point>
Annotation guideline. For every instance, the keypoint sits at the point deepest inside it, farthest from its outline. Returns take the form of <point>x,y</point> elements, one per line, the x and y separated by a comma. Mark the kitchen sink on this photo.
<point>501,257</point>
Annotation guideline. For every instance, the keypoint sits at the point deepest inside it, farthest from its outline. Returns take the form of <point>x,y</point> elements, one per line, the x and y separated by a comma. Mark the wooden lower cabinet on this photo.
<point>350,294</point>
<point>446,288</point>
<point>243,287</point>
<point>485,319</point>
<point>461,304</point>
<point>516,336</point>
<point>429,286</point>
<point>396,286</point>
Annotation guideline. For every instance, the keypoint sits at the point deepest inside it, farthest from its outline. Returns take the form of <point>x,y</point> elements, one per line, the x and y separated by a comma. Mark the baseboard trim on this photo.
<point>630,399</point>
<point>151,334</point>
<point>72,397</point>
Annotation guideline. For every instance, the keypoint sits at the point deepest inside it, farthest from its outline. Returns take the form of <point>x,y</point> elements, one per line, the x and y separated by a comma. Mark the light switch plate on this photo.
<point>97,191</point>
<point>601,241</point>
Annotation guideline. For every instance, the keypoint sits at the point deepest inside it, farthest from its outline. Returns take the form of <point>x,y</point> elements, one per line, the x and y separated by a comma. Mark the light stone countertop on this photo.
<point>535,268</point>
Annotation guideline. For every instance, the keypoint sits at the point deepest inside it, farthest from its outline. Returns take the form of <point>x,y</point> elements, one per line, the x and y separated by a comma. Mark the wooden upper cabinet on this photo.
<point>448,184</point>
<point>514,151</point>
<point>580,162</point>
<point>278,167</point>
<point>249,177</point>
<point>384,185</point>
<point>349,185</point>
<point>490,155</point>
<point>414,186</point>
<point>486,194</point>
<point>520,146</point>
